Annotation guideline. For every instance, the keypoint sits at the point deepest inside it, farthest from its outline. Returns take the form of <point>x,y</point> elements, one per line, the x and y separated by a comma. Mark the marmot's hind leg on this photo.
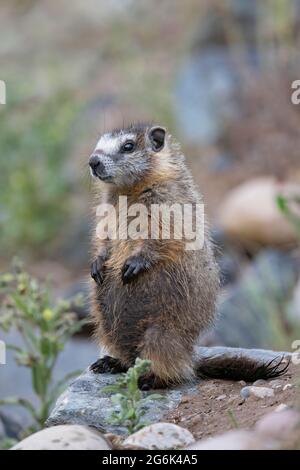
<point>171,360</point>
<point>108,364</point>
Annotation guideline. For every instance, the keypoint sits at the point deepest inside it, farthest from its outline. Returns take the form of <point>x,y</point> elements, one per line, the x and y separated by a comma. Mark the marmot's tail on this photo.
<point>241,368</point>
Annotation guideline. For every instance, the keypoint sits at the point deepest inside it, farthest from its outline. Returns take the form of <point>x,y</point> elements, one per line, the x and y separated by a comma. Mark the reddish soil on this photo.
<point>209,413</point>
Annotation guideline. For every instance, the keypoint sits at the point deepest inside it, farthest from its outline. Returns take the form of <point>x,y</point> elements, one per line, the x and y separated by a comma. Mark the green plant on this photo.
<point>129,398</point>
<point>7,443</point>
<point>44,329</point>
<point>287,207</point>
<point>35,189</point>
<point>232,419</point>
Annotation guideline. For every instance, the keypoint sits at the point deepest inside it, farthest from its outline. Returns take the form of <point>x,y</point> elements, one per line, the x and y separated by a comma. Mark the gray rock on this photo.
<point>205,80</point>
<point>2,430</point>
<point>229,268</point>
<point>245,393</point>
<point>209,82</point>
<point>229,259</point>
<point>212,28</point>
<point>295,303</point>
<point>83,403</point>
<point>246,314</point>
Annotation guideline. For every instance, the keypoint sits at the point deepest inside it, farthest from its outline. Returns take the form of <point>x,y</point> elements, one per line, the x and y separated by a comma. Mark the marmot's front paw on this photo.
<point>107,364</point>
<point>97,270</point>
<point>134,266</point>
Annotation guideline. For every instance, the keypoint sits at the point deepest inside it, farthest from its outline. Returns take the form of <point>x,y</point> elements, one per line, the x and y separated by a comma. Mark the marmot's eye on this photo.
<point>128,146</point>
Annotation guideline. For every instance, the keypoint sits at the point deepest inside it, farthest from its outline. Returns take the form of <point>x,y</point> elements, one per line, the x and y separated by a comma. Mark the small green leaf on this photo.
<point>281,202</point>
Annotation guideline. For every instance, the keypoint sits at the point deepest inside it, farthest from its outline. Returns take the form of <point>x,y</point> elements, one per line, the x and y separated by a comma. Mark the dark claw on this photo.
<point>150,381</point>
<point>133,267</point>
<point>107,364</point>
<point>97,271</point>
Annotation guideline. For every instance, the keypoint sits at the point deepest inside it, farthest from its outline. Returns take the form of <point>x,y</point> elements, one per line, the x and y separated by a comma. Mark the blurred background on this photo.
<point>218,74</point>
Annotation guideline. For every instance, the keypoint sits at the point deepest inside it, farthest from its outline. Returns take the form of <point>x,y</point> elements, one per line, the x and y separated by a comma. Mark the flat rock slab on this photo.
<point>83,403</point>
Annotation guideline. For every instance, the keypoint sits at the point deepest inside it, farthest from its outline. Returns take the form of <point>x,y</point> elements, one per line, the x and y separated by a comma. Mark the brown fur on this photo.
<point>160,314</point>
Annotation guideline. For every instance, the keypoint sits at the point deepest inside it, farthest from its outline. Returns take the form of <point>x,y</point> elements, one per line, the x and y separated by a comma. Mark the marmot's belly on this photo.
<point>179,299</point>
<point>129,309</point>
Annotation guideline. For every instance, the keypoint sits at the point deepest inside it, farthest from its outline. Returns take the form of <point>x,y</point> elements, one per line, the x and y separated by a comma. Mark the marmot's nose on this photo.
<point>94,161</point>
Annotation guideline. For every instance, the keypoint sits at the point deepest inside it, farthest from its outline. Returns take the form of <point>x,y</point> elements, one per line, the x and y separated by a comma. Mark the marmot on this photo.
<point>152,298</point>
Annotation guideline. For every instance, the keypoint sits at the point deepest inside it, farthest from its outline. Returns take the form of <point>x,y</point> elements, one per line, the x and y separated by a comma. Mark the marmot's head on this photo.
<point>125,156</point>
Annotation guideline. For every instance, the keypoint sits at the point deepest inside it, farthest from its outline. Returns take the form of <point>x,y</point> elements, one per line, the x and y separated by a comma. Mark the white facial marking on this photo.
<point>111,144</point>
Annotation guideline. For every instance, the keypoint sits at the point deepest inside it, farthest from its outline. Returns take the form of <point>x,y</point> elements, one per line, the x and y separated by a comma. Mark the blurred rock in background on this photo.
<point>210,79</point>
<point>250,215</point>
<point>257,310</point>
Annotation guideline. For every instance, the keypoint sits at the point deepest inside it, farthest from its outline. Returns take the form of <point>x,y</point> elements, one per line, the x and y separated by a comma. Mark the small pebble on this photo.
<point>245,393</point>
<point>184,399</point>
<point>242,383</point>
<point>221,397</point>
<point>287,386</point>
<point>114,439</point>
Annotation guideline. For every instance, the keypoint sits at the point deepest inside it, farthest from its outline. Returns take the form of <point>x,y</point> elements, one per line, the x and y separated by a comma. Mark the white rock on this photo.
<point>261,392</point>
<point>221,397</point>
<point>287,386</point>
<point>249,213</point>
<point>64,437</point>
<point>160,436</point>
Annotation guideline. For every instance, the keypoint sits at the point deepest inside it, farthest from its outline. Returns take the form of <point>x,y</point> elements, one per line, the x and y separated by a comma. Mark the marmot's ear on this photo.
<point>157,137</point>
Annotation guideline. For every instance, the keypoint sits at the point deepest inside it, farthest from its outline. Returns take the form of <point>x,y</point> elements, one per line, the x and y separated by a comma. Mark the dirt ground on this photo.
<point>218,407</point>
